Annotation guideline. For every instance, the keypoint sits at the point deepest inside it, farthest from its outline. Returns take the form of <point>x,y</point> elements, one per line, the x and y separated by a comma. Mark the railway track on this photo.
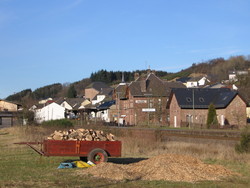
<point>230,135</point>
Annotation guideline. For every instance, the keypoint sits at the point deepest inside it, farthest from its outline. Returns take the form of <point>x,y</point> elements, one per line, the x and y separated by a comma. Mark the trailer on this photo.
<point>95,151</point>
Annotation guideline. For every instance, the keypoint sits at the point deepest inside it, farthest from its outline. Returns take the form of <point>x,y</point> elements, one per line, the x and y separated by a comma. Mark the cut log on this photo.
<point>81,134</point>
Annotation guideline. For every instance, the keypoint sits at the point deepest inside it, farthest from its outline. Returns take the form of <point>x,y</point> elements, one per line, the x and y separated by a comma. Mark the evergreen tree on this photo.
<point>71,92</point>
<point>211,117</point>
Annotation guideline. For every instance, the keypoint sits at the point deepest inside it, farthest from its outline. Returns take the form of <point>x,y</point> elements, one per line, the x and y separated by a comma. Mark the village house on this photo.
<point>232,75</point>
<point>197,81</point>
<point>47,112</point>
<point>97,93</point>
<point>6,106</point>
<point>8,113</point>
<point>95,88</point>
<point>104,94</point>
<point>189,82</point>
<point>189,107</point>
<point>73,106</point>
<point>106,110</point>
<point>143,101</point>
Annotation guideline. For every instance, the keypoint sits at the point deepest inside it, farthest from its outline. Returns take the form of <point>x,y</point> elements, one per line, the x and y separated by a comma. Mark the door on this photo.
<point>175,121</point>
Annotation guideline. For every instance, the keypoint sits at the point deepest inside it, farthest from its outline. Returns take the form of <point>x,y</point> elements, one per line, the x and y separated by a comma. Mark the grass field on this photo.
<point>22,167</point>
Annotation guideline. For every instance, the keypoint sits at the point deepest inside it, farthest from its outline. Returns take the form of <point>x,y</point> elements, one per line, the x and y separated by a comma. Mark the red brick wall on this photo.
<point>234,114</point>
<point>175,113</point>
<point>133,106</point>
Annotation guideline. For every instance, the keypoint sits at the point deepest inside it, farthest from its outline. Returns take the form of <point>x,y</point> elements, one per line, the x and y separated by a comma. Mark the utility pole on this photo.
<point>118,108</point>
<point>193,107</point>
<point>148,101</point>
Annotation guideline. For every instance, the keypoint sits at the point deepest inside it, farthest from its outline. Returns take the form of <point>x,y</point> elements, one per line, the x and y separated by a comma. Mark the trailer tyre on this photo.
<point>97,156</point>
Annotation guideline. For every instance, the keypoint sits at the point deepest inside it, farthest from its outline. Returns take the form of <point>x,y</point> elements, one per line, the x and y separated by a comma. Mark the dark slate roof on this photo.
<point>98,85</point>
<point>183,79</point>
<point>121,89</point>
<point>106,91</point>
<point>75,103</point>
<point>106,105</point>
<point>203,97</point>
<point>153,86</point>
<point>195,79</point>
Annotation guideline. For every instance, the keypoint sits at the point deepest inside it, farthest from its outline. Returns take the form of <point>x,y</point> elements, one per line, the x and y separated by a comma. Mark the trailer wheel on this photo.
<point>97,156</point>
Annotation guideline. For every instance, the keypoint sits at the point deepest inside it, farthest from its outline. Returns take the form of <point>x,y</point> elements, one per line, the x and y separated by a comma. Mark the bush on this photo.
<point>60,123</point>
<point>212,117</point>
<point>244,145</point>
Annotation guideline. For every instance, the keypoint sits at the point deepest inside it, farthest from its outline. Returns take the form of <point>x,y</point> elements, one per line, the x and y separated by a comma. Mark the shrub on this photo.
<point>60,123</point>
<point>211,117</point>
<point>244,145</point>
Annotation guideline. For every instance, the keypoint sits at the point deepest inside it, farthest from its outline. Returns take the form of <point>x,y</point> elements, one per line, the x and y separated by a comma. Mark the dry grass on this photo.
<point>21,167</point>
<point>145,146</point>
<point>205,151</point>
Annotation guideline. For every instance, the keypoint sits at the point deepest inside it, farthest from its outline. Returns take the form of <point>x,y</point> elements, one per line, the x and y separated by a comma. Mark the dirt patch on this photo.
<point>170,167</point>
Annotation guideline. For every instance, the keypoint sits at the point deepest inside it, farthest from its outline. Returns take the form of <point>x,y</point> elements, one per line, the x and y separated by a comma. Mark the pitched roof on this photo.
<point>106,105</point>
<point>203,97</point>
<point>183,79</point>
<point>121,89</point>
<point>75,103</point>
<point>106,91</point>
<point>97,85</point>
<point>152,85</point>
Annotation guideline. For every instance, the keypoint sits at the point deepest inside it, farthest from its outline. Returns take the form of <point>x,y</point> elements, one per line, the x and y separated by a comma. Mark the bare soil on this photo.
<point>169,167</point>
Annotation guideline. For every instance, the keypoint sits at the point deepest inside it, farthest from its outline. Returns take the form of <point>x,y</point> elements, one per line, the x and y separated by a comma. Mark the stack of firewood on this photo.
<point>81,134</point>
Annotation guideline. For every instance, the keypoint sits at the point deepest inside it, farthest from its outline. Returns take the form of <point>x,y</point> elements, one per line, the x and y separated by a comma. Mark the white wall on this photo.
<point>66,105</point>
<point>99,99</point>
<point>192,84</point>
<point>52,111</point>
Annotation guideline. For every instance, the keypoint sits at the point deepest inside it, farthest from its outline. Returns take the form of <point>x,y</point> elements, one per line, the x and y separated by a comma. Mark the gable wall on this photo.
<point>7,106</point>
<point>236,112</point>
<point>175,113</point>
<point>90,93</point>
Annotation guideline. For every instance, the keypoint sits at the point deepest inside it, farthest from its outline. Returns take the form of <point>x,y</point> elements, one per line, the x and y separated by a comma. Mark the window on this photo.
<point>224,98</point>
<point>201,99</point>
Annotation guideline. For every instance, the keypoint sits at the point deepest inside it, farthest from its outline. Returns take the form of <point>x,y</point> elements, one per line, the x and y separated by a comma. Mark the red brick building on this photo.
<point>189,107</point>
<point>143,101</point>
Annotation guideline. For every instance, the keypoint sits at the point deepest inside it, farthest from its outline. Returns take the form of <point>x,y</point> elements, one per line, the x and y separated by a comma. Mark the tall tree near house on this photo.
<point>211,117</point>
<point>71,92</point>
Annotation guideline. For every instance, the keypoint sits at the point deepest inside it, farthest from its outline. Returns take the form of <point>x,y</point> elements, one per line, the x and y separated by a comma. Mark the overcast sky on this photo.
<point>56,41</point>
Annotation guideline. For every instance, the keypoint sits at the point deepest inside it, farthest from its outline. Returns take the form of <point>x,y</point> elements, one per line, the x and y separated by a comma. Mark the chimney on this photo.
<point>136,75</point>
<point>148,71</point>
<point>123,77</point>
<point>143,85</point>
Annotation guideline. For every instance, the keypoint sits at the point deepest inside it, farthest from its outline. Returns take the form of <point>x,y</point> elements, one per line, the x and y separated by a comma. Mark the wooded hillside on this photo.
<point>217,68</point>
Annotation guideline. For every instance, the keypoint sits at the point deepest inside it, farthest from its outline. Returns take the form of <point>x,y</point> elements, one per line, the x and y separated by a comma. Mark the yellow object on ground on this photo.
<point>81,164</point>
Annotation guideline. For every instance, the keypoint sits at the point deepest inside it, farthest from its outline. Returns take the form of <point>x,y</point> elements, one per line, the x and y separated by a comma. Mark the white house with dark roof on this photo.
<point>197,81</point>
<point>52,111</point>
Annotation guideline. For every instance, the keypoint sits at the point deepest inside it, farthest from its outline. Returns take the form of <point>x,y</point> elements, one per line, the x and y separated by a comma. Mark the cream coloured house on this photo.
<point>8,106</point>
